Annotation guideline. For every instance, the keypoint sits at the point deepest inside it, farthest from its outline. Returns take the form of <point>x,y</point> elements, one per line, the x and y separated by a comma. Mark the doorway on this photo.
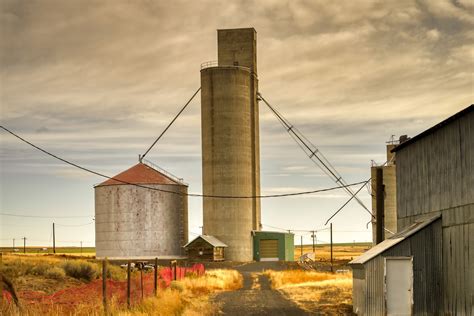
<point>398,285</point>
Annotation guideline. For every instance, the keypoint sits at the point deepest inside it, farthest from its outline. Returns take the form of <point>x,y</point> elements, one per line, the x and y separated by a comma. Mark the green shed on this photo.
<point>273,246</point>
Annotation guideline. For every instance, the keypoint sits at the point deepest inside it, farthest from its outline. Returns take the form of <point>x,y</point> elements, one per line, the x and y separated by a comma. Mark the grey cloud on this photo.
<point>96,81</point>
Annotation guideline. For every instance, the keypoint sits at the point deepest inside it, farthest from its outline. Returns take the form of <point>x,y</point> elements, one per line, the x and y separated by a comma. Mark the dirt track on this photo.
<point>256,296</point>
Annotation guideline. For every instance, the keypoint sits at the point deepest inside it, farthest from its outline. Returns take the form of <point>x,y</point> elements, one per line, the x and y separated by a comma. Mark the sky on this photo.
<point>95,82</point>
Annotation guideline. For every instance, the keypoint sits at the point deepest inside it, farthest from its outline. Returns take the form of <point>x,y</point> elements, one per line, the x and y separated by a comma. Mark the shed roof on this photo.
<point>140,174</point>
<point>256,232</point>
<point>392,241</point>
<point>213,241</point>
<point>434,128</point>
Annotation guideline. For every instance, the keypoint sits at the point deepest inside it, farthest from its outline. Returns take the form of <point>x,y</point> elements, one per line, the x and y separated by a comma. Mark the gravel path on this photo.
<point>256,297</point>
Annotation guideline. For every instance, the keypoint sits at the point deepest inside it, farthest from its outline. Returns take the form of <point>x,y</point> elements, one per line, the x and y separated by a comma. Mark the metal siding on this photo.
<point>132,221</point>
<point>436,174</point>
<point>358,290</point>
<point>425,247</point>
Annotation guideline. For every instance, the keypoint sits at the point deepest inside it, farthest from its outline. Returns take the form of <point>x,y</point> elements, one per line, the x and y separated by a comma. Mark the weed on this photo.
<point>80,269</point>
<point>55,273</point>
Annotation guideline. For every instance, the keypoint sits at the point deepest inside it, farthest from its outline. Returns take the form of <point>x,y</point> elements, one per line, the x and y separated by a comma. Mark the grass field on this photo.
<point>89,251</point>
<point>347,251</point>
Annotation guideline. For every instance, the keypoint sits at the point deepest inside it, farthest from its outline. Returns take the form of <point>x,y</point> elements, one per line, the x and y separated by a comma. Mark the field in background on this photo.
<point>346,251</point>
<point>86,251</point>
<point>341,251</point>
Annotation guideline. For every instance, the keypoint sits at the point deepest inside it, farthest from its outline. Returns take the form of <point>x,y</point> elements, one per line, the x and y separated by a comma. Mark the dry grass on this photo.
<point>340,252</point>
<point>326,293</point>
<point>47,267</point>
<point>188,297</point>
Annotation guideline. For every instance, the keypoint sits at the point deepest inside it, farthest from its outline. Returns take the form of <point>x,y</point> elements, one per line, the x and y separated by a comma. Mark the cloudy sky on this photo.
<point>96,81</point>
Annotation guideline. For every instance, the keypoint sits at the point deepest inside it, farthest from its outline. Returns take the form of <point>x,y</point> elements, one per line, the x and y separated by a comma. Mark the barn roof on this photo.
<point>392,241</point>
<point>436,127</point>
<point>213,241</point>
<point>140,174</point>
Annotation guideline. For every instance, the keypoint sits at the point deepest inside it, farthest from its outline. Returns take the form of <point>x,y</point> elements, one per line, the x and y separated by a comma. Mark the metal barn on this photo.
<point>273,246</point>
<point>402,274</point>
<point>435,177</point>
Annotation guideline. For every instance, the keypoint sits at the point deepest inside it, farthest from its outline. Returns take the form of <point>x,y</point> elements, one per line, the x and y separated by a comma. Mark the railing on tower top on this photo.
<point>166,173</point>
<point>215,63</point>
<point>209,64</point>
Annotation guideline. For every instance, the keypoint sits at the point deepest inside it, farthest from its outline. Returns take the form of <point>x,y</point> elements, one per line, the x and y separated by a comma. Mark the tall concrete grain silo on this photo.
<point>230,142</point>
<point>132,221</point>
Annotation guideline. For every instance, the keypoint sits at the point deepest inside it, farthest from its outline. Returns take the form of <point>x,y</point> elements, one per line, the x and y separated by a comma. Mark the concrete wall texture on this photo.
<point>134,221</point>
<point>390,200</point>
<point>230,143</point>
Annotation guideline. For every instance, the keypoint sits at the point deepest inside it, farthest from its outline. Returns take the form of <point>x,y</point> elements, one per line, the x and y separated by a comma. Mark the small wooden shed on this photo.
<point>205,247</point>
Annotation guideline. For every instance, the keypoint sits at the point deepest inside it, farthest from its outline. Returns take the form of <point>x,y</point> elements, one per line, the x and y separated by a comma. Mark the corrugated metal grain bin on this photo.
<point>141,212</point>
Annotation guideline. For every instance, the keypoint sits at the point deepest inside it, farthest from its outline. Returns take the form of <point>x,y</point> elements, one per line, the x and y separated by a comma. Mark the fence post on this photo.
<point>156,277</point>
<point>1,278</point>
<point>175,270</point>
<point>104,284</point>
<point>332,263</point>
<point>141,279</point>
<point>128,283</point>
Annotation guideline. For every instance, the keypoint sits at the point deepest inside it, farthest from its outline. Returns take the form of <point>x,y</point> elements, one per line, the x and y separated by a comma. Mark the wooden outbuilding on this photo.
<point>205,247</point>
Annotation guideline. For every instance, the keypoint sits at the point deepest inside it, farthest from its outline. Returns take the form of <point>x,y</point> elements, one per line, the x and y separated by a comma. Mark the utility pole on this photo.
<point>54,240</point>
<point>301,244</point>
<point>314,236</point>
<point>379,204</point>
<point>332,269</point>
<point>81,247</point>
<point>13,249</point>
<point>24,244</point>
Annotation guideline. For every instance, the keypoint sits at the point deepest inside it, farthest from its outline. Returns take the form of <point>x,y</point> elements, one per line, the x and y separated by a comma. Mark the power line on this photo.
<point>80,225</point>
<point>347,202</point>
<point>341,186</point>
<point>39,216</point>
<point>297,230</point>
<point>313,152</point>
<point>169,125</point>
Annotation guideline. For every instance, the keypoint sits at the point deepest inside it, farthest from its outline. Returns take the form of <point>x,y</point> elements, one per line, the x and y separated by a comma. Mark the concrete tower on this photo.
<point>230,142</point>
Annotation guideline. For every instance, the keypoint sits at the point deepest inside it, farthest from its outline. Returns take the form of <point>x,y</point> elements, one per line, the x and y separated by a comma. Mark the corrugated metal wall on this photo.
<point>436,175</point>
<point>425,247</point>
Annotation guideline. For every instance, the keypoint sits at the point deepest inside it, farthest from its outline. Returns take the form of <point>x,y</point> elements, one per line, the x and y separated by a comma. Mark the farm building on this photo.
<point>205,247</point>
<point>141,212</point>
<point>389,191</point>
<point>230,142</point>
<point>432,256</point>
<point>273,246</point>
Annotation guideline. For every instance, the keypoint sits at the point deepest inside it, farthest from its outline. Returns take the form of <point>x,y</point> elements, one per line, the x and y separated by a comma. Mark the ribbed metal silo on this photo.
<point>135,221</point>
<point>230,143</point>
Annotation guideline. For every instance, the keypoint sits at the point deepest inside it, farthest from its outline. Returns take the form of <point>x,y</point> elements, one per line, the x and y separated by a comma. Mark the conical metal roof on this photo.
<point>140,174</point>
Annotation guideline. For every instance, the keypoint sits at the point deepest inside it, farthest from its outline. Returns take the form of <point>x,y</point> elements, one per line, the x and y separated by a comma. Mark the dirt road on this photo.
<point>256,296</point>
